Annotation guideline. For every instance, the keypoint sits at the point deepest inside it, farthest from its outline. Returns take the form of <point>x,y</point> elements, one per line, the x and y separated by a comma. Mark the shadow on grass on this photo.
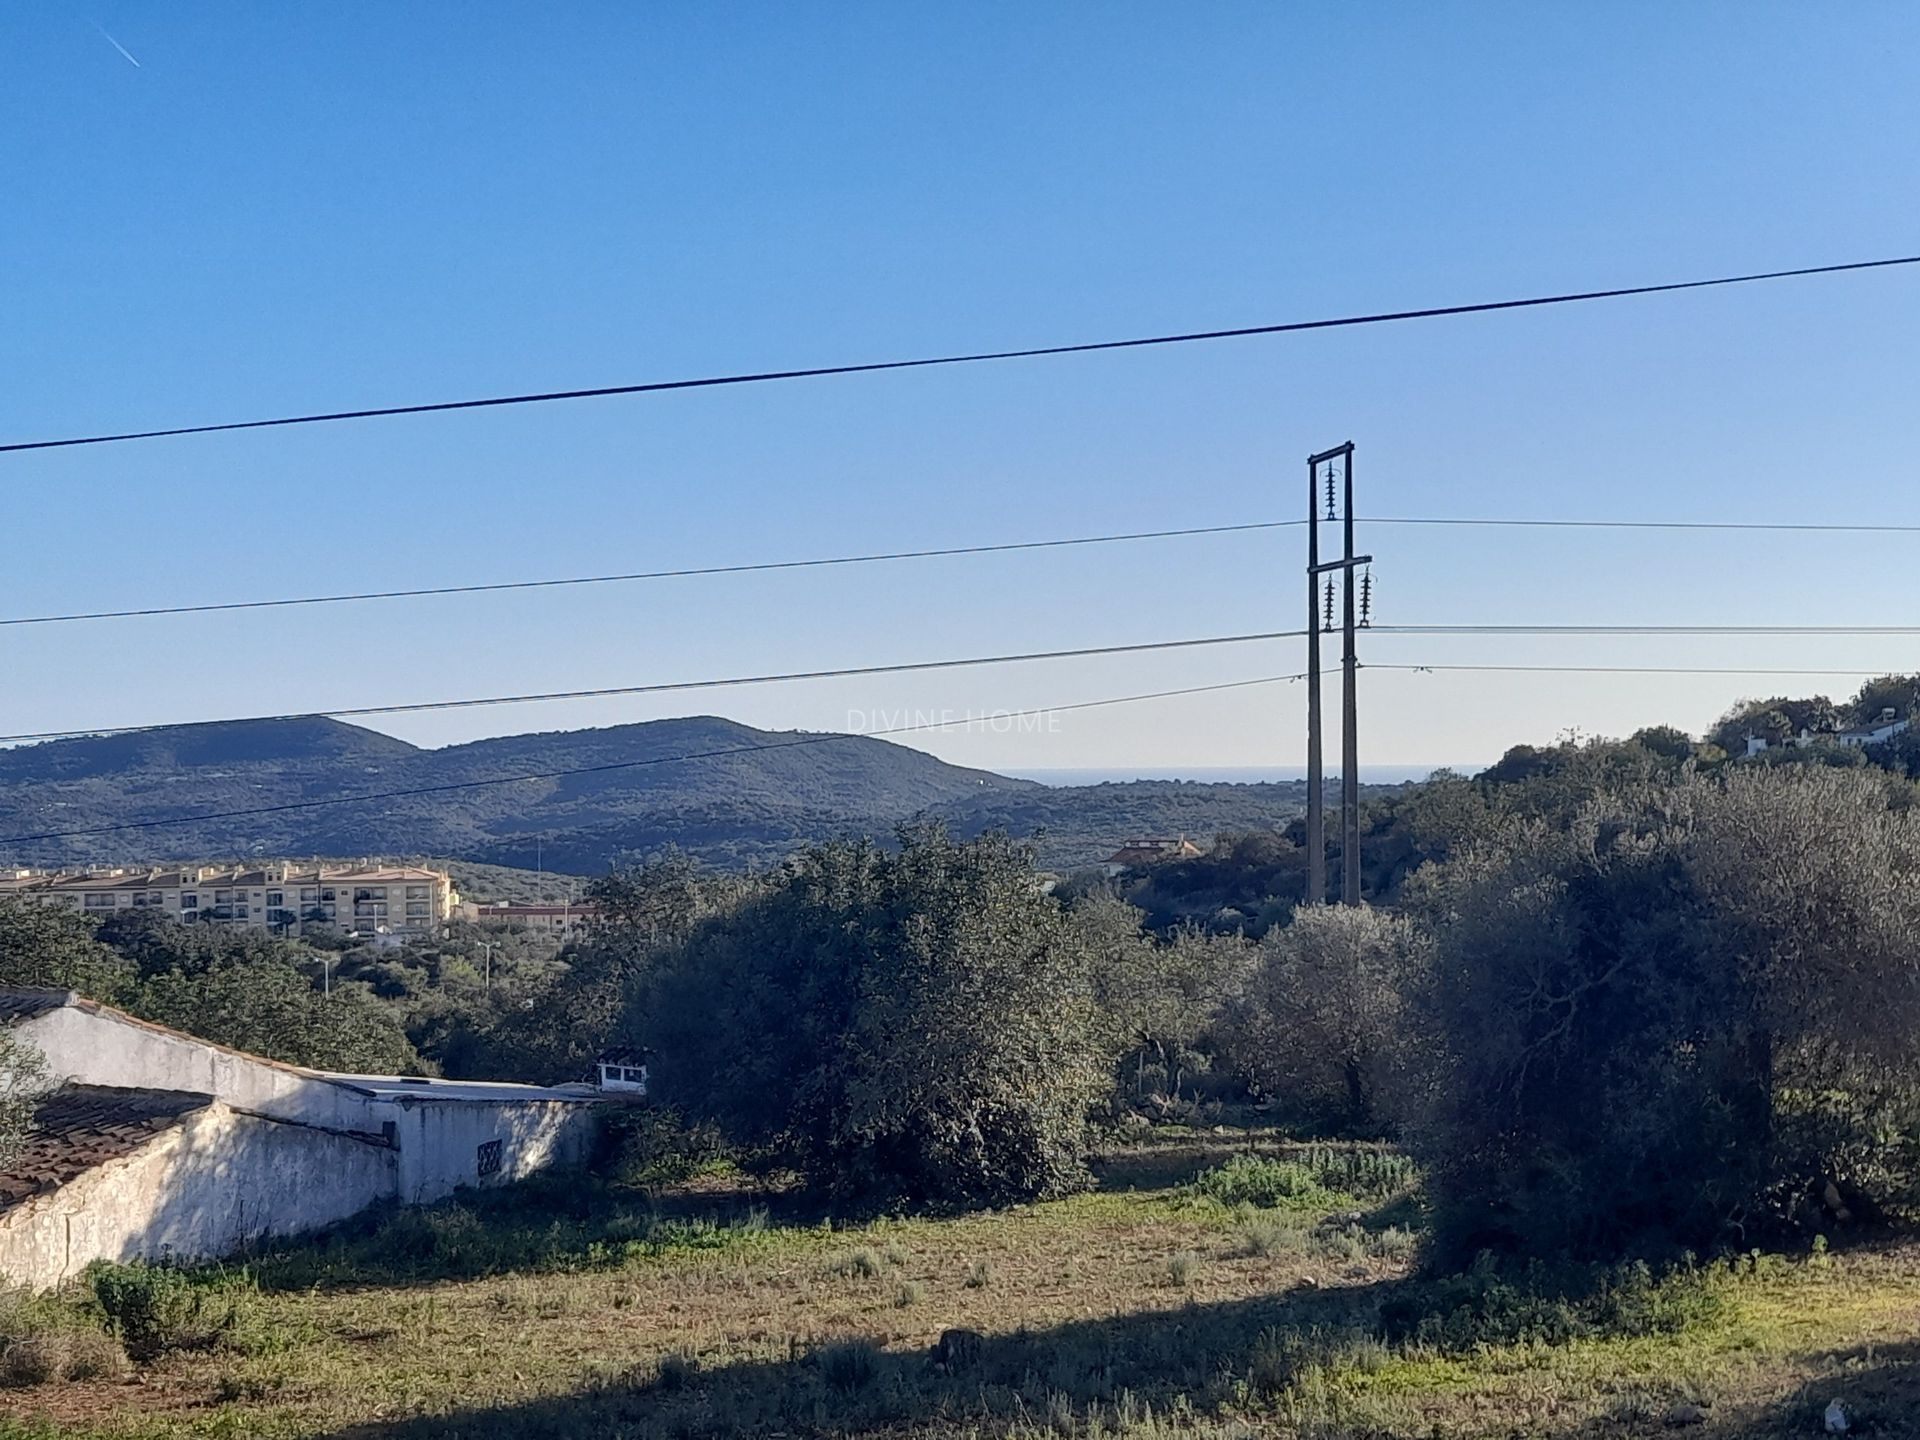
<point>558,1224</point>
<point>548,1225</point>
<point>1878,1387</point>
<point>1162,1164</point>
<point>1200,1356</point>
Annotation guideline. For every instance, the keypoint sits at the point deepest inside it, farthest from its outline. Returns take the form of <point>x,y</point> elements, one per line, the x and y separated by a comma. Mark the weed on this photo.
<point>152,1309</point>
<point>1182,1268</point>
<point>1486,1306</point>
<point>979,1275</point>
<point>895,1254</point>
<point>251,1383</point>
<point>60,1354</point>
<point>1265,1234</point>
<point>1257,1180</point>
<point>1315,1177</point>
<point>1393,1243</point>
<point>863,1264</point>
<point>911,1293</point>
<point>1349,1243</point>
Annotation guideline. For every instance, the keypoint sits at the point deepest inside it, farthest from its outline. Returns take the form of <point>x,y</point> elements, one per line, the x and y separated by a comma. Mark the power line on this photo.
<point>823,562</point>
<point>1033,352</point>
<point>1645,629</point>
<point>632,764</point>
<point>1635,670</point>
<point>742,569</point>
<point>666,687</point>
<point>1762,525</point>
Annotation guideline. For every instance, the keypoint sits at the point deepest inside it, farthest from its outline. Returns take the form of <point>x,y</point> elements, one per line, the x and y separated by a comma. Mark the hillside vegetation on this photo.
<point>753,807</point>
<point>1605,1121</point>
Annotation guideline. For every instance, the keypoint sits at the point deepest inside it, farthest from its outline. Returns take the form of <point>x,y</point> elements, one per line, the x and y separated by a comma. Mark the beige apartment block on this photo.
<point>362,900</point>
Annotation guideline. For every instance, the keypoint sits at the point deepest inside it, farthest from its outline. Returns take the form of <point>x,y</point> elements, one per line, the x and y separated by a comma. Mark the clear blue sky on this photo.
<point>282,208</point>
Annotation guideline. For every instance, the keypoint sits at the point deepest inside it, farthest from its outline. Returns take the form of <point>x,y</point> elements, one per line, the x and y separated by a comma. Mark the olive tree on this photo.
<point>915,1026</point>
<point>1319,1025</point>
<point>1673,1021</point>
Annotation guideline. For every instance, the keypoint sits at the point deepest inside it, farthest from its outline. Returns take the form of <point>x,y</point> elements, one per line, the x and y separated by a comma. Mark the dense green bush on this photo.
<point>1487,1304</point>
<point>655,1145</point>
<point>915,1026</point>
<point>1675,1020</point>
<point>1314,1174</point>
<point>1321,1026</point>
<point>152,1309</point>
<point>1262,1180</point>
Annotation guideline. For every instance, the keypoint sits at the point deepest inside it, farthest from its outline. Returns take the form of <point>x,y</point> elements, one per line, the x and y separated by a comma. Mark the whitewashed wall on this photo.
<point>202,1189</point>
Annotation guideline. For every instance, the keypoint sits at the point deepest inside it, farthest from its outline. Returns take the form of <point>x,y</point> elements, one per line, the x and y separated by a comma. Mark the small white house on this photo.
<point>158,1144</point>
<point>624,1071</point>
<point>1884,728</point>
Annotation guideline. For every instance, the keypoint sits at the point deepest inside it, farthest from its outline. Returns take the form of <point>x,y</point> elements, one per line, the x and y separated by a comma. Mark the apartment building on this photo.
<point>556,920</point>
<point>362,900</point>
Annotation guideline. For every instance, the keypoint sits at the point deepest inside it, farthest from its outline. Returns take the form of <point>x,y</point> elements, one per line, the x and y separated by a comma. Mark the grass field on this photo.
<point>1148,1307</point>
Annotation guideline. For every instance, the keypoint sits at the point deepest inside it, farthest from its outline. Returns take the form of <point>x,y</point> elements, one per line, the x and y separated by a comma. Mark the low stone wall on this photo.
<point>205,1188</point>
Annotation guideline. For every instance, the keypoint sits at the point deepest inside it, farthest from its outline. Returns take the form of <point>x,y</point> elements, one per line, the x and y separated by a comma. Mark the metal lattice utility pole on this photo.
<point>1339,465</point>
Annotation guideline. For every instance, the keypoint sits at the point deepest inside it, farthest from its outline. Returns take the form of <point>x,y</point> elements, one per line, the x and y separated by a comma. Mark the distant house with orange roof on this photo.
<point>1149,850</point>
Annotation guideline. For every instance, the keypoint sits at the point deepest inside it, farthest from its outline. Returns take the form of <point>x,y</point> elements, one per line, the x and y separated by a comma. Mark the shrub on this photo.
<point>655,1145</point>
<point>864,1263</point>
<point>1268,1235</point>
<point>848,1365</point>
<point>35,1360</point>
<point>1258,1180</point>
<point>152,1309</point>
<point>911,1293</point>
<point>1486,1305</point>
<point>801,1020</point>
<point>1181,1269</point>
<point>979,1275</point>
<point>1321,1025</point>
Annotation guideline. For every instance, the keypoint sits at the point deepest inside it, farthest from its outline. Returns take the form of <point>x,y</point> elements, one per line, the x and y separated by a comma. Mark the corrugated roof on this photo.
<point>80,1127</point>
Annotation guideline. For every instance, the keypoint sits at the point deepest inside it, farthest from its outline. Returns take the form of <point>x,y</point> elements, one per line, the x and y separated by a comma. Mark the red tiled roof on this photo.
<point>79,1127</point>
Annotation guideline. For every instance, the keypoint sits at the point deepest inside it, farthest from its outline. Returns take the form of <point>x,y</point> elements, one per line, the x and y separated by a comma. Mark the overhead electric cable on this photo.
<point>826,561</point>
<point>1638,670</point>
<point>671,686</point>
<point>748,568</point>
<point>1644,630</point>
<point>992,718</point>
<point>1026,353</point>
<point>1760,525</point>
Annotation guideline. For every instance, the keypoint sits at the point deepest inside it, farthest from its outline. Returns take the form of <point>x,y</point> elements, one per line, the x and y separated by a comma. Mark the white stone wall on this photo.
<point>101,1047</point>
<point>440,1141</point>
<point>203,1189</point>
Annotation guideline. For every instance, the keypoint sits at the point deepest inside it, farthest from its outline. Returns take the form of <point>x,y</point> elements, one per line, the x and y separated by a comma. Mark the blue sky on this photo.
<point>286,208</point>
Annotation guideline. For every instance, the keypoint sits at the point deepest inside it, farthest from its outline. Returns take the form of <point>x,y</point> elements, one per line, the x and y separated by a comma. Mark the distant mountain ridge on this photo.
<point>725,792</point>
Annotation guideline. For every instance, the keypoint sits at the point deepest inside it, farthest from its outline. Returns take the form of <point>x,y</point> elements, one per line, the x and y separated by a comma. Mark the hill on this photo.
<point>725,792</point>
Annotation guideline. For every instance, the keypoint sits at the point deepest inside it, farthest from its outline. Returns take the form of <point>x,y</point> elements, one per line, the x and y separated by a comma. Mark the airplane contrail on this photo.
<point>116,44</point>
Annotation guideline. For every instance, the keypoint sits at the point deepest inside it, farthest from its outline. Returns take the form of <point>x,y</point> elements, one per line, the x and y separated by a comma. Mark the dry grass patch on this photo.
<point>1276,1327</point>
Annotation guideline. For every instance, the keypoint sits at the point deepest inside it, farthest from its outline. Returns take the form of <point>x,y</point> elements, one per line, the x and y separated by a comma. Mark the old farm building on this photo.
<point>162,1145</point>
